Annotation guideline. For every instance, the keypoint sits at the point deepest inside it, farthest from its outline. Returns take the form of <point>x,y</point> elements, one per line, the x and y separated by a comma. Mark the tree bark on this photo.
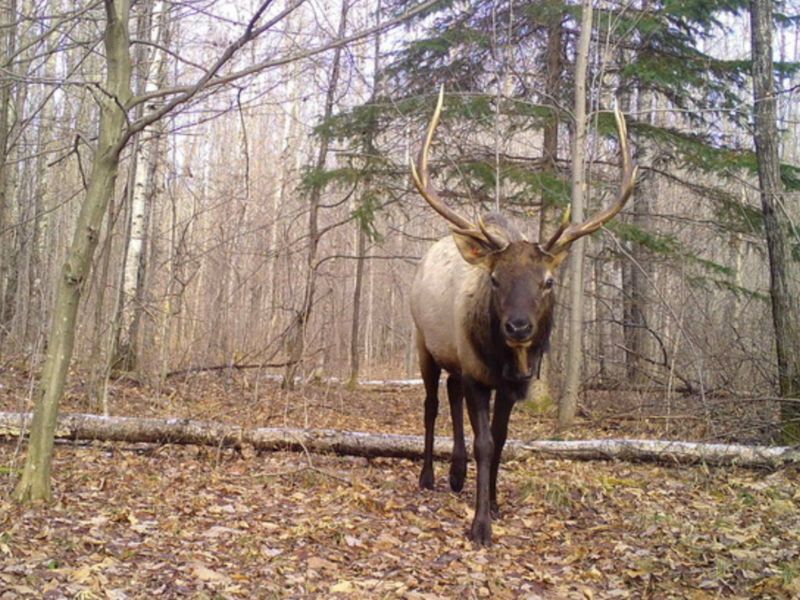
<point>638,297</point>
<point>35,481</point>
<point>361,234</point>
<point>8,40</point>
<point>301,321</point>
<point>355,443</point>
<point>781,218</point>
<point>144,163</point>
<point>569,400</point>
<point>355,333</point>
<point>540,390</point>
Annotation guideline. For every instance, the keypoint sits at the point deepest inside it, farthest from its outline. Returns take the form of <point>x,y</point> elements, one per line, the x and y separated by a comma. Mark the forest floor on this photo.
<point>145,521</point>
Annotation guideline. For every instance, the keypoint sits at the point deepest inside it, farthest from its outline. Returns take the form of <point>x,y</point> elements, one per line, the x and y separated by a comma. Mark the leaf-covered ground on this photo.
<point>175,522</point>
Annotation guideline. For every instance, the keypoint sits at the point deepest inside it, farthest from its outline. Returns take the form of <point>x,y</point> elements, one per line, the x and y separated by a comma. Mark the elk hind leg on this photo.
<point>430,377</point>
<point>458,462</point>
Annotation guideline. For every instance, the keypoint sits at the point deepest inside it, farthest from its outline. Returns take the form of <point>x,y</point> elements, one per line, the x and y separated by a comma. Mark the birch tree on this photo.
<point>113,97</point>
<point>569,400</point>
<point>151,31</point>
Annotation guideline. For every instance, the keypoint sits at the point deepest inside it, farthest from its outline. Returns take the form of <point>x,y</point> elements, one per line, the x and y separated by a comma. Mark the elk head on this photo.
<point>520,274</point>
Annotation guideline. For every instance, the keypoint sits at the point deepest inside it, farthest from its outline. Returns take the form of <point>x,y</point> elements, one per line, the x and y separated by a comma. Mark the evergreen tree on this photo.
<point>492,57</point>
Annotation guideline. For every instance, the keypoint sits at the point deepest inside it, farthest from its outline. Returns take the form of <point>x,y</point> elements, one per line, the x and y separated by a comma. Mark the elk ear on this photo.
<point>474,247</point>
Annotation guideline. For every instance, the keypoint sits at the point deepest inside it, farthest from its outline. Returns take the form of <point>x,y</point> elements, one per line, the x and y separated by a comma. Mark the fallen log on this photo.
<point>208,433</point>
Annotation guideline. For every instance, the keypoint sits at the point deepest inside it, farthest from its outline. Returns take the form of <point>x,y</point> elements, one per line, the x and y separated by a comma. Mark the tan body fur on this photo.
<point>450,303</point>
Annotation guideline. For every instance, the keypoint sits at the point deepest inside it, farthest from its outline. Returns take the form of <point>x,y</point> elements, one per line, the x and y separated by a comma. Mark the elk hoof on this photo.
<point>426,479</point>
<point>481,532</point>
<point>458,472</point>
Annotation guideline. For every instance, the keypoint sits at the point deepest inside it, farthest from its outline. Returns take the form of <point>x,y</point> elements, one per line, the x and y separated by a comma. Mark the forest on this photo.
<point>210,223</point>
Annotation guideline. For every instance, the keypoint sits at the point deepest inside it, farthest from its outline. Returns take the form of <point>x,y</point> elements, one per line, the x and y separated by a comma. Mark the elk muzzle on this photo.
<point>518,330</point>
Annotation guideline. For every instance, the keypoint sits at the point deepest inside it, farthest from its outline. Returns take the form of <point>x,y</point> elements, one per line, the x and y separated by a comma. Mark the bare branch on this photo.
<point>184,93</point>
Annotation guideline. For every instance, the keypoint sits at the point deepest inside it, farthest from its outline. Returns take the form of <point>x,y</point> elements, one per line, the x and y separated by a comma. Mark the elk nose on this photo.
<point>519,328</point>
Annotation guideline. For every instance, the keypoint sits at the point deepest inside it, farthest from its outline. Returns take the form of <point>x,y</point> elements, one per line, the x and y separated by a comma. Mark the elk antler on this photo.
<point>419,172</point>
<point>561,227</point>
<point>567,234</point>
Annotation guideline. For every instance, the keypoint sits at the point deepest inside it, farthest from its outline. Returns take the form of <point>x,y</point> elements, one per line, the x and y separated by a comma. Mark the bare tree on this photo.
<point>780,222</point>
<point>8,40</point>
<point>299,327</point>
<point>118,125</point>
<point>150,75</point>
<point>549,210</point>
<point>569,399</point>
<point>113,97</point>
<point>361,224</point>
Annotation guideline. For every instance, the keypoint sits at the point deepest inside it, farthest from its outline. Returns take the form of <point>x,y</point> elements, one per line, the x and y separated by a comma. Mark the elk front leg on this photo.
<point>430,376</point>
<point>477,396</point>
<point>503,403</point>
<point>458,462</point>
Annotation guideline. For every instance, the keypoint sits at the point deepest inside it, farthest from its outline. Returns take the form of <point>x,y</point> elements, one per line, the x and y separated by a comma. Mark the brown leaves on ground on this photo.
<point>168,522</point>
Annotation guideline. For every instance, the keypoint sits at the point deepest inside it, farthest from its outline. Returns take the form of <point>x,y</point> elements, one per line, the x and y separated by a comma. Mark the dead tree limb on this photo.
<point>234,366</point>
<point>207,433</point>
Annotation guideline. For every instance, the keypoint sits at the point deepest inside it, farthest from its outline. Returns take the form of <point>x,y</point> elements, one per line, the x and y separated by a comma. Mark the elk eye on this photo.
<point>493,279</point>
<point>548,283</point>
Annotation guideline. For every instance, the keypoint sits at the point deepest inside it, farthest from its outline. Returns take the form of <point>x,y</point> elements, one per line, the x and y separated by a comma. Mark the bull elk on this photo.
<point>482,302</point>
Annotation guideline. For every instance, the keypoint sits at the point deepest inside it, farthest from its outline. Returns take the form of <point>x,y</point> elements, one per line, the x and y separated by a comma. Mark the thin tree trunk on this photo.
<point>97,366</point>
<point>638,297</point>
<point>540,391</point>
<point>144,162</point>
<point>9,39</point>
<point>781,221</point>
<point>301,320</point>
<point>569,400</point>
<point>355,346</point>
<point>35,481</point>
<point>603,316</point>
<point>361,234</point>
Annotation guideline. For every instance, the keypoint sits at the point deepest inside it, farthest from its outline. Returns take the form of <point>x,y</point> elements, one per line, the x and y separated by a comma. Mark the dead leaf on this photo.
<point>342,587</point>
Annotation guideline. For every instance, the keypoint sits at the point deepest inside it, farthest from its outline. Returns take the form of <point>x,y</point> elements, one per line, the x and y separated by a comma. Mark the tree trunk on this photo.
<point>637,312</point>
<point>361,234</point>
<point>355,443</point>
<point>302,318</point>
<point>8,40</point>
<point>35,481</point>
<point>144,163</point>
<point>603,316</point>
<point>569,400</point>
<point>540,390</point>
<point>355,346</point>
<point>781,219</point>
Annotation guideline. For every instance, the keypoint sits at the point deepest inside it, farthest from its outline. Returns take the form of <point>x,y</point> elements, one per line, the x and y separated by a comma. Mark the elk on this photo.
<point>482,301</point>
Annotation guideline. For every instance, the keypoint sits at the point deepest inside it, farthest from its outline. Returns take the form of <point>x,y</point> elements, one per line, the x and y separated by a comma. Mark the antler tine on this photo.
<point>419,173</point>
<point>561,227</point>
<point>578,230</point>
<point>497,241</point>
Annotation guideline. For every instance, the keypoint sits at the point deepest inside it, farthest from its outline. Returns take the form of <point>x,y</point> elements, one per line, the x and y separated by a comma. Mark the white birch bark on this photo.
<point>569,401</point>
<point>144,170</point>
<point>358,443</point>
